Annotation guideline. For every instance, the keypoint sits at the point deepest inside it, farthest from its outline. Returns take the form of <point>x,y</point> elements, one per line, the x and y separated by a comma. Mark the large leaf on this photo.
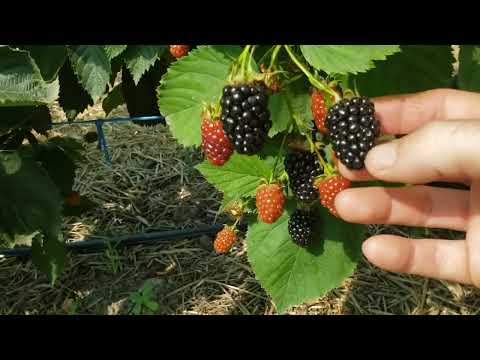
<point>92,66</point>
<point>346,59</point>
<point>49,254</point>
<point>25,205</point>
<point>292,274</point>
<point>189,83</point>
<point>72,147</point>
<point>59,165</point>
<point>73,97</point>
<point>416,68</point>
<point>240,176</point>
<point>113,100</point>
<point>280,113</point>
<point>113,51</point>
<point>139,58</point>
<point>21,82</point>
<point>25,117</point>
<point>469,69</point>
<point>49,59</point>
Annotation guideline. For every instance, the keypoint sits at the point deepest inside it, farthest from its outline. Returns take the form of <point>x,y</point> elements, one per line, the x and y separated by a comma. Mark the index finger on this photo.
<point>402,114</point>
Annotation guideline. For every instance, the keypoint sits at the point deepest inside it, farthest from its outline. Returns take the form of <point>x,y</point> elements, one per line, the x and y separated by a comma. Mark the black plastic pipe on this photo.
<point>95,243</point>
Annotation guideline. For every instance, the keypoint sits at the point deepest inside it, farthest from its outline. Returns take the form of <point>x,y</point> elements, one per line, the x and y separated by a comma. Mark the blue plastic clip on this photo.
<point>102,142</point>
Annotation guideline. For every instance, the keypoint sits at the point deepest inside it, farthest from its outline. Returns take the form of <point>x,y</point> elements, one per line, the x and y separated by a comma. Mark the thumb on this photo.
<point>441,150</point>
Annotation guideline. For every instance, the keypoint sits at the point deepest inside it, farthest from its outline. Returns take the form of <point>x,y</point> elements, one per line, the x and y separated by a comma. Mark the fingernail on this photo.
<point>382,157</point>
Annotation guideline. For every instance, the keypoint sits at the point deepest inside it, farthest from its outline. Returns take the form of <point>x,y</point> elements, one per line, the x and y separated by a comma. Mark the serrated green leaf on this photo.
<point>139,58</point>
<point>116,65</point>
<point>73,97</point>
<point>344,59</point>
<point>293,275</point>
<point>58,164</point>
<point>21,83</point>
<point>27,206</point>
<point>49,59</point>
<point>232,52</point>
<point>190,82</point>
<point>49,255</point>
<point>92,67</point>
<point>113,100</point>
<point>25,117</point>
<point>469,68</point>
<point>279,113</point>
<point>113,51</point>
<point>240,176</point>
<point>72,148</point>
<point>415,68</point>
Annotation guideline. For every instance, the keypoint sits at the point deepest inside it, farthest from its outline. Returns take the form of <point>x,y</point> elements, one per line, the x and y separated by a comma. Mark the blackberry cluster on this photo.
<point>353,129</point>
<point>245,116</point>
<point>302,168</point>
<point>300,227</point>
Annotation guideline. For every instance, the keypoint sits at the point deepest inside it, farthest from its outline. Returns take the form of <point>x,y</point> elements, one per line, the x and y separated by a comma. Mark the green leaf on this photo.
<point>73,97</point>
<point>190,82</point>
<point>416,68</point>
<point>240,176</point>
<point>49,254</point>
<point>113,100</point>
<point>343,59</point>
<point>141,99</point>
<point>279,113</point>
<point>113,51</point>
<point>469,68</point>
<point>58,164</point>
<point>21,83</point>
<point>25,117</point>
<point>70,146</point>
<point>139,58</point>
<point>292,274</point>
<point>231,52</point>
<point>49,59</point>
<point>92,67</point>
<point>116,65</point>
<point>25,205</point>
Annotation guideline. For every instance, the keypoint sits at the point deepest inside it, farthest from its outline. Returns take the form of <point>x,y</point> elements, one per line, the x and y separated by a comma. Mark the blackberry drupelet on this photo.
<point>300,227</point>
<point>302,167</point>
<point>353,129</point>
<point>245,116</point>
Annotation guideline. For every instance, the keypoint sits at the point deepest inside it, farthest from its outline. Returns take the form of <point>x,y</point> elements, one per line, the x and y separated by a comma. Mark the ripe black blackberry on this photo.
<point>300,227</point>
<point>245,116</point>
<point>302,167</point>
<point>353,129</point>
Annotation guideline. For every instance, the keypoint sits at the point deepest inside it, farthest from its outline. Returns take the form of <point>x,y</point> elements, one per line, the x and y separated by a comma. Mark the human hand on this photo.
<point>443,144</point>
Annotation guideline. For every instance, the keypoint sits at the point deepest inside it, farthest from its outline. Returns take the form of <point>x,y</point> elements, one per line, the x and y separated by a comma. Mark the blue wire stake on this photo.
<point>102,142</point>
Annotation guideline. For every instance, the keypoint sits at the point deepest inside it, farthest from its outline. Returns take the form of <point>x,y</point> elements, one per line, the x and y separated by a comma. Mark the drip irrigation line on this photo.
<point>93,243</point>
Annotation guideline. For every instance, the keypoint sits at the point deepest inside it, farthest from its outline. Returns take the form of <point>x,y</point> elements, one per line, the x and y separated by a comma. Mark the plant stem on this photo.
<point>278,156</point>
<point>243,57</point>
<point>266,54</point>
<point>325,166</point>
<point>310,76</point>
<point>276,50</point>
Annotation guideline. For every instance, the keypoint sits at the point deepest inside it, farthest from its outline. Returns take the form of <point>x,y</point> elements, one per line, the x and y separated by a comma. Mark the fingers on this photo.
<point>473,234</point>
<point>354,175</point>
<point>413,206</point>
<point>439,151</point>
<point>439,259</point>
<point>402,114</point>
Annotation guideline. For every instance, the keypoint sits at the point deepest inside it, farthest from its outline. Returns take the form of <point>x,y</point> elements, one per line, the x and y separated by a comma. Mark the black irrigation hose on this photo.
<point>95,244</point>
